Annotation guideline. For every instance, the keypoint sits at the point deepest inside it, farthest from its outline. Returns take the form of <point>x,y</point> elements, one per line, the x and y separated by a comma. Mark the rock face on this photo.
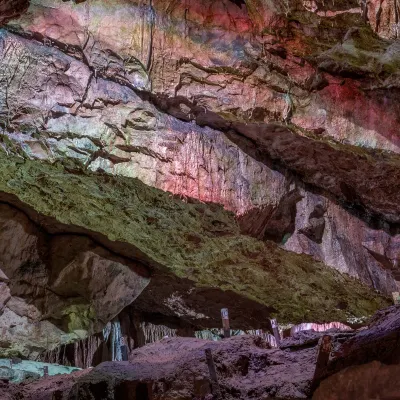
<point>211,147</point>
<point>370,381</point>
<point>136,330</point>
<point>57,287</point>
<point>11,9</point>
<point>17,370</point>
<point>244,365</point>
<point>72,253</point>
<point>43,389</point>
<point>87,102</point>
<point>246,368</point>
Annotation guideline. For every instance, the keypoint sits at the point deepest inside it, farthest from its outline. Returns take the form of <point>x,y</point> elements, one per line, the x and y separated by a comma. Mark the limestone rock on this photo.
<point>158,233</point>
<point>14,375</point>
<point>246,367</point>
<point>57,287</point>
<point>12,9</point>
<point>242,363</point>
<point>369,381</point>
<point>84,104</point>
<point>242,120</point>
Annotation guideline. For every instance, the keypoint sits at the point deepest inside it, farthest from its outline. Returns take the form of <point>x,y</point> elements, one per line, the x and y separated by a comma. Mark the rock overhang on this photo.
<point>298,92</point>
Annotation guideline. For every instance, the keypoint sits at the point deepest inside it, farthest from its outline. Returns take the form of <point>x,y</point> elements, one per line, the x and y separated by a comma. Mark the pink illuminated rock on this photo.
<point>319,327</point>
<point>286,114</point>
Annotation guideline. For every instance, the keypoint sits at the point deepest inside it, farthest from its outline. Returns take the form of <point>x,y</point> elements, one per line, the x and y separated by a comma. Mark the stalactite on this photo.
<point>82,354</point>
<point>107,345</point>
<point>154,333</point>
<point>216,334</point>
<point>115,340</point>
<point>209,334</point>
<point>149,64</point>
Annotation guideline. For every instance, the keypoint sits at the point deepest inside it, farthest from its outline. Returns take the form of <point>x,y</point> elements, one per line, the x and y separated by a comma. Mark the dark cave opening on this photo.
<point>239,3</point>
<point>142,392</point>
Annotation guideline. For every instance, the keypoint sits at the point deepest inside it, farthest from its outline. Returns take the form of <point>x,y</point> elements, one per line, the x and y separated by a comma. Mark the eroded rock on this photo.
<point>370,381</point>
<point>90,113</point>
<point>58,288</point>
<point>269,109</point>
<point>245,367</point>
<point>10,9</point>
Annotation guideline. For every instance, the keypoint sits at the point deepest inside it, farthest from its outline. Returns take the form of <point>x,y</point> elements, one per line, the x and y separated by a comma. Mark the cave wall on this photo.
<point>57,288</point>
<point>219,144</point>
<point>84,104</point>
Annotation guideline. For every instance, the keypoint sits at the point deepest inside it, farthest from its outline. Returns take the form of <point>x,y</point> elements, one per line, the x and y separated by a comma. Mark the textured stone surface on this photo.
<point>245,367</point>
<point>115,131</point>
<point>58,288</point>
<point>370,381</point>
<point>42,389</point>
<point>137,330</point>
<point>10,9</point>
<point>84,105</point>
<point>210,54</point>
<point>379,342</point>
<point>283,113</point>
<point>198,243</point>
<point>384,17</point>
<point>22,370</point>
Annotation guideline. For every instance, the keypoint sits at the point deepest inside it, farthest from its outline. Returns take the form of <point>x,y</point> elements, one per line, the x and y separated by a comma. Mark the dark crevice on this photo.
<point>239,3</point>
<point>316,225</point>
<point>351,203</point>
<point>142,391</point>
<point>272,223</point>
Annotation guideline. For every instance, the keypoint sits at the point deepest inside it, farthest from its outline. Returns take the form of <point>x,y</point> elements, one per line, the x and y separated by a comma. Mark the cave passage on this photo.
<point>199,200</point>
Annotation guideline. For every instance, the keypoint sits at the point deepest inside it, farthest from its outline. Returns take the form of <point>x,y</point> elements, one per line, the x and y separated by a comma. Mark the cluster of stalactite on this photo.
<point>131,331</point>
<point>82,354</point>
<point>152,333</point>
<point>108,345</point>
<point>216,334</point>
<point>112,335</point>
<point>91,351</point>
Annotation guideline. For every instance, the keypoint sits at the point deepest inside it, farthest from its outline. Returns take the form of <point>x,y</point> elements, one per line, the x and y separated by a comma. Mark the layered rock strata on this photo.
<point>41,310</point>
<point>87,105</point>
<point>262,121</point>
<point>56,288</point>
<point>246,367</point>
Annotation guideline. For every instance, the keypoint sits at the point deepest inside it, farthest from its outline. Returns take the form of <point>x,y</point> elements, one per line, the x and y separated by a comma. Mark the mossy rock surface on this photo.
<point>190,240</point>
